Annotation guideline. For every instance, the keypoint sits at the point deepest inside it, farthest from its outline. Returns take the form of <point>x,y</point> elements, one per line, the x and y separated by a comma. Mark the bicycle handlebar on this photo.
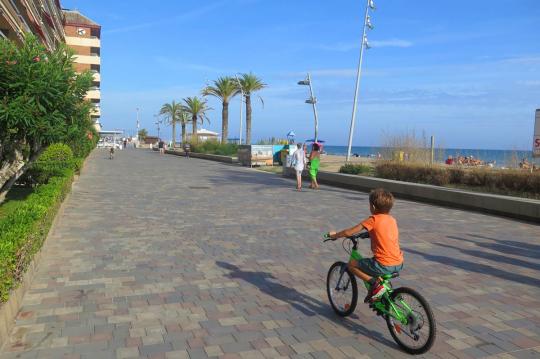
<point>363,235</point>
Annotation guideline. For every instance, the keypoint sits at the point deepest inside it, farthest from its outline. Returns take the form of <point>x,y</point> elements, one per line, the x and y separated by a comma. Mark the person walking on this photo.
<point>299,163</point>
<point>161,146</point>
<point>314,160</point>
<point>187,148</point>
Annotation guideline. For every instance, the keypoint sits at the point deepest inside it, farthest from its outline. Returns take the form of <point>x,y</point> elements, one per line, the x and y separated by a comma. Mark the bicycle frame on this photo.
<point>392,310</point>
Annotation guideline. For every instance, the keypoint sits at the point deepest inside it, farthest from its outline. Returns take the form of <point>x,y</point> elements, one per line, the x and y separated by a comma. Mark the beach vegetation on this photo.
<point>356,169</point>
<point>511,182</point>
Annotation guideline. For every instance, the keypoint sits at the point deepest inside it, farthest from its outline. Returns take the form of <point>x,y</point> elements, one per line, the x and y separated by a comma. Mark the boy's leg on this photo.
<point>353,268</point>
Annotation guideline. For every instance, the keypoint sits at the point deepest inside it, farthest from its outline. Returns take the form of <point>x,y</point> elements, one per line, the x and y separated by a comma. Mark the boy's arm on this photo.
<point>347,232</point>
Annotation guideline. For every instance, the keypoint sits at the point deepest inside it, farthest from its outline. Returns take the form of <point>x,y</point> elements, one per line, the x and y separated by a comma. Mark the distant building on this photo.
<point>44,18</point>
<point>204,135</point>
<point>84,37</point>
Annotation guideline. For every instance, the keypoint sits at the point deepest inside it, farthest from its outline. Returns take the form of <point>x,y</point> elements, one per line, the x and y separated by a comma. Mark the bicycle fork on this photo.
<point>341,273</point>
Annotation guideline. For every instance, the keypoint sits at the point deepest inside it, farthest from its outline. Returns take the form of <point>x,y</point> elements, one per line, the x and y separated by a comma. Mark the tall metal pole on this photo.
<point>138,125</point>
<point>432,149</point>
<point>314,101</point>
<point>241,107</point>
<point>358,75</point>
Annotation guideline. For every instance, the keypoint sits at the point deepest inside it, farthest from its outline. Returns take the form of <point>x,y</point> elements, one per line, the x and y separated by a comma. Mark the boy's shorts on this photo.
<point>373,268</point>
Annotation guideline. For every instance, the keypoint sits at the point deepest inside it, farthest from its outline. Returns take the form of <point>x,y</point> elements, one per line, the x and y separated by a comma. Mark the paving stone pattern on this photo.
<point>165,257</point>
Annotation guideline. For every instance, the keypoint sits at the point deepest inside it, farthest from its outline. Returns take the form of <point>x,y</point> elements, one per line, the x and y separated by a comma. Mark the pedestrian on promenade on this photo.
<point>299,163</point>
<point>187,148</point>
<point>314,162</point>
<point>161,146</point>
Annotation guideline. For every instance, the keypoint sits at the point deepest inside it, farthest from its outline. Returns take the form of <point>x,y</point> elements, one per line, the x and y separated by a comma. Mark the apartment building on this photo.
<point>44,18</point>
<point>83,36</point>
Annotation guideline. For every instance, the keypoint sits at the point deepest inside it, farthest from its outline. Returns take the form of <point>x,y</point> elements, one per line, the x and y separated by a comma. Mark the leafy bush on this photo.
<point>492,180</point>
<point>54,161</point>
<point>23,231</point>
<point>356,169</point>
<point>42,102</point>
<point>413,173</point>
<point>215,148</point>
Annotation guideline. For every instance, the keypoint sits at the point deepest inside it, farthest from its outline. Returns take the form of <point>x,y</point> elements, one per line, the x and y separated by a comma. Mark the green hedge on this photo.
<point>215,148</point>
<point>511,182</point>
<point>52,162</point>
<point>356,169</point>
<point>23,231</point>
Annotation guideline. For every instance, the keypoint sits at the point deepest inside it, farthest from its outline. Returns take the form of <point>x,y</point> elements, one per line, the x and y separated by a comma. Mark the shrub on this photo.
<point>56,159</point>
<point>500,181</point>
<point>356,169</point>
<point>413,173</point>
<point>23,231</point>
<point>215,148</point>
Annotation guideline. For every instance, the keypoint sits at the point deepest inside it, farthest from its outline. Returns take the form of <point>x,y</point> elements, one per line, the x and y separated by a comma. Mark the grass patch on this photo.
<point>356,169</point>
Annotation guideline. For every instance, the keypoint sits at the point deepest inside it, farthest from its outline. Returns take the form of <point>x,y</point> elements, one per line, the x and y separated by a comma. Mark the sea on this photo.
<point>500,158</point>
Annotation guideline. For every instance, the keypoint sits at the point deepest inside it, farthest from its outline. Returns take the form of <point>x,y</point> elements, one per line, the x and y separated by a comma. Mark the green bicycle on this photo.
<point>407,313</point>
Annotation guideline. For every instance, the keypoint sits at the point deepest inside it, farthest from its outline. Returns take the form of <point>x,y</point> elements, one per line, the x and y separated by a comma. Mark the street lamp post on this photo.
<point>241,107</point>
<point>313,101</point>
<point>158,122</point>
<point>138,126</point>
<point>364,45</point>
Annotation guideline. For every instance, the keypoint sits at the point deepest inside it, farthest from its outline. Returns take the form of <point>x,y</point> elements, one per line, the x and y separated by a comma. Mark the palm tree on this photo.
<point>224,88</point>
<point>173,112</point>
<point>184,119</point>
<point>250,83</point>
<point>197,108</point>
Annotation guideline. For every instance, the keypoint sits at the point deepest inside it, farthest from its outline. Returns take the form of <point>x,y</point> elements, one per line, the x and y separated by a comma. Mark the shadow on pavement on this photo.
<point>493,257</point>
<point>307,305</point>
<point>505,246</point>
<point>477,268</point>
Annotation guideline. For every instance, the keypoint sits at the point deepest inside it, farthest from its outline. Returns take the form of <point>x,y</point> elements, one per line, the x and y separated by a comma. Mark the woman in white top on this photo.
<point>299,161</point>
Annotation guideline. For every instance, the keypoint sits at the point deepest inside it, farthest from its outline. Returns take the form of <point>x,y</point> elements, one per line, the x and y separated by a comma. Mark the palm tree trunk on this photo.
<point>183,133</point>
<point>174,133</point>
<point>248,119</point>
<point>194,131</point>
<point>225,122</point>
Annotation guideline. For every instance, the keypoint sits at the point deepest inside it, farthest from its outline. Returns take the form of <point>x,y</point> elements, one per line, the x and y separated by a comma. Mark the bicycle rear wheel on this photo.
<point>341,289</point>
<point>418,335</point>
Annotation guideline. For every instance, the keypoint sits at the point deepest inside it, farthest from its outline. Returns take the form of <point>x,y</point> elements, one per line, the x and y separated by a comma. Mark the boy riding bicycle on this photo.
<point>384,235</point>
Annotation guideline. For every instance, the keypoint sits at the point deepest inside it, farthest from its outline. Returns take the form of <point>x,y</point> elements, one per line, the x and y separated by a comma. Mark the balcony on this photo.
<point>93,94</point>
<point>87,59</point>
<point>83,41</point>
<point>95,111</point>
<point>97,76</point>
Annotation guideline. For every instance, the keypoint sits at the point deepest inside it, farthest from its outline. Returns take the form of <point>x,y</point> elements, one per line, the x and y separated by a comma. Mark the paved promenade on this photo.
<point>165,257</point>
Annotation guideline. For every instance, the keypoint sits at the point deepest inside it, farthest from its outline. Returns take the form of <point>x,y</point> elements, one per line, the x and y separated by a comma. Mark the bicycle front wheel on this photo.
<point>341,289</point>
<point>418,334</point>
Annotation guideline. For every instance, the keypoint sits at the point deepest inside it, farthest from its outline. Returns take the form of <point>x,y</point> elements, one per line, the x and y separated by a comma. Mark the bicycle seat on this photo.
<point>390,276</point>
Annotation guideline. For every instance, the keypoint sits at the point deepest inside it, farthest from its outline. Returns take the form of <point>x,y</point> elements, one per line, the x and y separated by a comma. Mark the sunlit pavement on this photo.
<point>163,257</point>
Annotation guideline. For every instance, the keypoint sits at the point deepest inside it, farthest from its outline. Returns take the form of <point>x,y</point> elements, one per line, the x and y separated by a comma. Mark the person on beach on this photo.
<point>299,163</point>
<point>384,237</point>
<point>314,160</point>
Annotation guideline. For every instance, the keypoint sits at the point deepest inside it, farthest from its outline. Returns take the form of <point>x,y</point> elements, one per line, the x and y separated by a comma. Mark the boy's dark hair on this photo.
<point>382,200</point>
<point>316,147</point>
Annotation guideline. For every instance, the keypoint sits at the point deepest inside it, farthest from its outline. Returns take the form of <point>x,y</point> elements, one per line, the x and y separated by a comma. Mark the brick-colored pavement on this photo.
<point>165,257</point>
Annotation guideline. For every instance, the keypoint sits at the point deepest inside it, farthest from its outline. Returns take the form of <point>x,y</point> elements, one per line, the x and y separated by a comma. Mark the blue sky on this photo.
<point>467,72</point>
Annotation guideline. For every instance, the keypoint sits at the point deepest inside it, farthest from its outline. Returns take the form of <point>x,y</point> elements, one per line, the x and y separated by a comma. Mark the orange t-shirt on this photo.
<point>384,235</point>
